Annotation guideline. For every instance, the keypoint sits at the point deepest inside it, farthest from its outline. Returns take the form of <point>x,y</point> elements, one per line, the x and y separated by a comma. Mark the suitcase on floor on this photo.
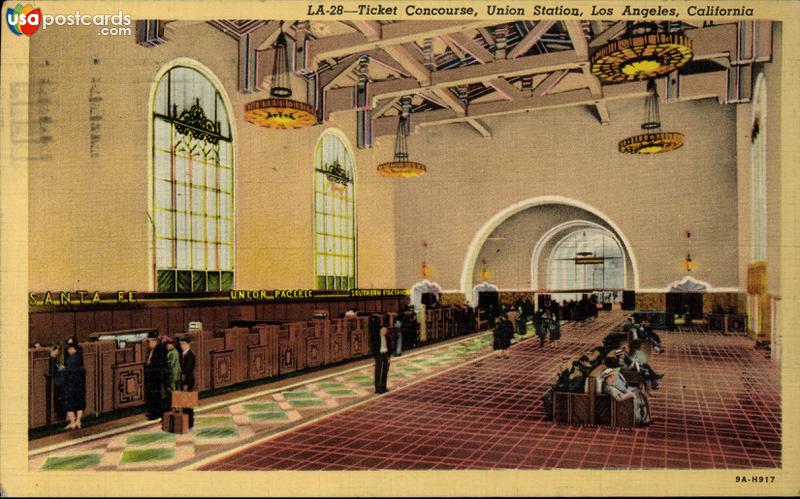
<point>184,400</point>
<point>175,422</point>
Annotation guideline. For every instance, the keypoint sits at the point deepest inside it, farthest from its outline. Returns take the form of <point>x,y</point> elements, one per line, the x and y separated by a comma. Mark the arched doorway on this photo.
<point>554,217</point>
<point>587,260</point>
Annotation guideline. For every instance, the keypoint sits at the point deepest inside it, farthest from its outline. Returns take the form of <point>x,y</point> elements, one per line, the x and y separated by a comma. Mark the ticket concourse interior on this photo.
<point>277,192</point>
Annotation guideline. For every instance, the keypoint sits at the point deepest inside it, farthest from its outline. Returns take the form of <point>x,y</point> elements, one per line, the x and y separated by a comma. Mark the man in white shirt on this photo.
<point>615,386</point>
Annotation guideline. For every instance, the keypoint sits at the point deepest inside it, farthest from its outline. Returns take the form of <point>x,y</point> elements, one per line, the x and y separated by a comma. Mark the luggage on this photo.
<point>175,422</point>
<point>184,400</point>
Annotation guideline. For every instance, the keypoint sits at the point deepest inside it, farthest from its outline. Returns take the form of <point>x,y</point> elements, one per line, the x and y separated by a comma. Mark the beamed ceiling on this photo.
<point>463,71</point>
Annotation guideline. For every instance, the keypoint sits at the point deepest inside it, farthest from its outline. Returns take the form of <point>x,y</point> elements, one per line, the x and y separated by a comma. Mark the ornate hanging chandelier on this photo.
<point>646,51</point>
<point>280,110</point>
<point>401,167</point>
<point>653,140</point>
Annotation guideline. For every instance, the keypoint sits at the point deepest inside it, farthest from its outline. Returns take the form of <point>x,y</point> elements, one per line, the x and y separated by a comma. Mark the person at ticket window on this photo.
<point>156,377</point>
<point>188,361</point>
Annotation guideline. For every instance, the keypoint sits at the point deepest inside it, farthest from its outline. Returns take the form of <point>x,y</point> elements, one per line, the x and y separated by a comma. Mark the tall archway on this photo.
<point>481,236</point>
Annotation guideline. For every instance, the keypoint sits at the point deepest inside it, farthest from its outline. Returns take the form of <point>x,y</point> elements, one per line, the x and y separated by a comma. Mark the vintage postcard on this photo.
<point>431,248</point>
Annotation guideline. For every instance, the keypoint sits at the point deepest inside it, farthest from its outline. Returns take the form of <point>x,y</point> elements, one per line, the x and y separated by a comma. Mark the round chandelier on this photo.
<point>279,110</point>
<point>401,167</point>
<point>653,140</point>
<point>644,52</point>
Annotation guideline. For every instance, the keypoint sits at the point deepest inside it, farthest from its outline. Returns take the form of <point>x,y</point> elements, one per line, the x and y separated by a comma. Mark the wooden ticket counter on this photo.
<point>240,343</point>
<point>54,316</point>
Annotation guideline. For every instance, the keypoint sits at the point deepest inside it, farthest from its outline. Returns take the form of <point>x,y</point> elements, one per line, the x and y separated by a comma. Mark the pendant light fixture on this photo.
<point>688,263</point>
<point>401,167</point>
<point>279,110</point>
<point>653,140</point>
<point>646,51</point>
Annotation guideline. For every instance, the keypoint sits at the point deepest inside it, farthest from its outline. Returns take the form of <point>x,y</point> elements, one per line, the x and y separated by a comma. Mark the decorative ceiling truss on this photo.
<point>464,71</point>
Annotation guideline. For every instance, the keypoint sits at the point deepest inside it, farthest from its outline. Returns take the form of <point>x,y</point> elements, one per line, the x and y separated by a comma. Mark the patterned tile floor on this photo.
<point>235,423</point>
<point>718,407</point>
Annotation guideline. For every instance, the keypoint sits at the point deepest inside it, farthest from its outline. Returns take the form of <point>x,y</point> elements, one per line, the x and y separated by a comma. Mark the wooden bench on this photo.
<point>727,323</point>
<point>590,408</point>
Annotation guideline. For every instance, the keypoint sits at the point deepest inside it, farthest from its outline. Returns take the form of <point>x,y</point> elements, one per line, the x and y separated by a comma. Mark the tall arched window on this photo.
<point>758,150</point>
<point>192,184</point>
<point>334,213</point>
<point>588,259</point>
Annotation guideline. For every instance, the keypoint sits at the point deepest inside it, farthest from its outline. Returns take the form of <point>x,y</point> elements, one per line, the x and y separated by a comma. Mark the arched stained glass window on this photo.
<point>589,259</point>
<point>758,152</point>
<point>192,184</point>
<point>334,213</point>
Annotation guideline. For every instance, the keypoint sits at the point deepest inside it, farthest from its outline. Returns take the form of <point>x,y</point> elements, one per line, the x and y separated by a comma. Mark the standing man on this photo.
<point>188,362</point>
<point>174,365</point>
<point>555,327</point>
<point>383,352</point>
<point>539,324</point>
<point>156,377</point>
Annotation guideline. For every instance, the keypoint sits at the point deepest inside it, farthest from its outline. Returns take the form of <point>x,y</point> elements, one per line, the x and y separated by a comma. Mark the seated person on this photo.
<point>623,357</point>
<point>611,360</point>
<point>639,358</point>
<point>628,324</point>
<point>614,385</point>
<point>596,356</point>
<point>562,384</point>
<point>613,340</point>
<point>645,333</point>
<point>583,365</point>
<point>565,373</point>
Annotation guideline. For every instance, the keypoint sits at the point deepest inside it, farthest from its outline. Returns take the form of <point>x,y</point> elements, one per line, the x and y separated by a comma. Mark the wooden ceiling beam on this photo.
<point>695,86</point>
<point>615,30</point>
<point>551,81</point>
<point>506,89</point>
<point>530,39</point>
<point>418,70</point>
<point>470,46</point>
<point>370,29</point>
<point>454,47</point>
<point>478,73</point>
<point>579,42</point>
<point>487,37</point>
<point>708,42</point>
<point>712,41</point>
<point>597,28</point>
<point>480,127</point>
<point>449,99</point>
<point>391,34</point>
<point>341,69</point>
<point>383,106</point>
<point>581,46</point>
<point>410,63</point>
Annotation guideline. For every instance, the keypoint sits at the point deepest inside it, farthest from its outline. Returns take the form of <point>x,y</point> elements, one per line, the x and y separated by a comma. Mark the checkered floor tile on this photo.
<point>218,429</point>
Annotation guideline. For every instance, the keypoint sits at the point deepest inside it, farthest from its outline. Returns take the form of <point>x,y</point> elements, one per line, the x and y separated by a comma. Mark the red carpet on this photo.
<point>718,407</point>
